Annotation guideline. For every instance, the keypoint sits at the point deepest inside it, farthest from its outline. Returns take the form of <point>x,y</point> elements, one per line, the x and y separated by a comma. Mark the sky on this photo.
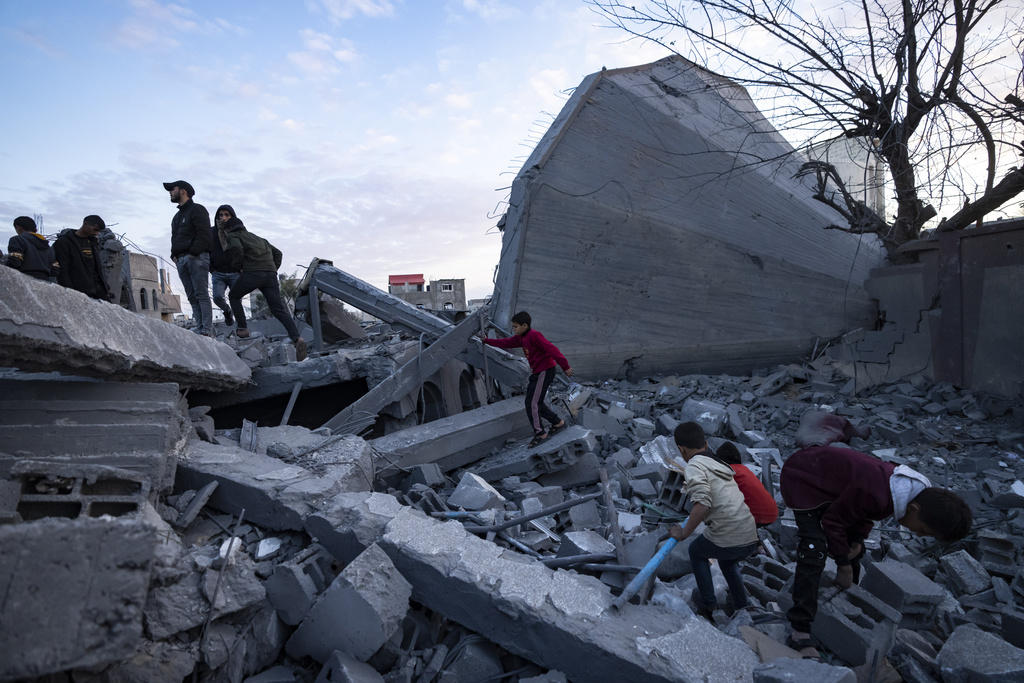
<point>382,135</point>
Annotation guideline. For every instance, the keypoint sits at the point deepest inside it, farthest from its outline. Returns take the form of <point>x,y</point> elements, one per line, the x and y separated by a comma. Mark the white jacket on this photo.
<point>728,521</point>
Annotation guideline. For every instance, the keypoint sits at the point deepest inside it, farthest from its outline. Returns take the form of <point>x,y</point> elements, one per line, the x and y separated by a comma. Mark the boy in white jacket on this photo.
<point>730,534</point>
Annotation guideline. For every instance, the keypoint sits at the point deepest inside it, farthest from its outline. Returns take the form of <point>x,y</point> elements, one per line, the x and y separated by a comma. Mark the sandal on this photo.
<point>537,440</point>
<point>802,644</point>
<point>554,429</point>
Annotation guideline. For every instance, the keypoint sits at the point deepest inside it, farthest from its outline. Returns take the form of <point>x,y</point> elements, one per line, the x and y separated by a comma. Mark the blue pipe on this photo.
<point>645,573</point>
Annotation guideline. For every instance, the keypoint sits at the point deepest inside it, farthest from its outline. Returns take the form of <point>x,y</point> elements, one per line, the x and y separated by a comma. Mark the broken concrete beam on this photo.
<point>48,327</point>
<point>555,453</point>
<point>336,324</point>
<point>323,276</point>
<point>971,654</point>
<point>786,670</point>
<point>73,490</point>
<point>74,592</point>
<point>547,616</point>
<point>473,493</point>
<point>131,426</point>
<point>358,612</point>
<point>275,495</point>
<point>906,589</point>
<point>583,472</point>
<point>409,376</point>
<point>454,441</point>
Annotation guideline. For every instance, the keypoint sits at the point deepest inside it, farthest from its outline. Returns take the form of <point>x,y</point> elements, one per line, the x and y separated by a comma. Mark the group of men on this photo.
<point>238,261</point>
<point>73,260</point>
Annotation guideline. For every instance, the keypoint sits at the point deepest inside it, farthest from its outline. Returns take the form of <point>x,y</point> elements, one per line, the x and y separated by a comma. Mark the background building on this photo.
<point>149,288</point>
<point>439,296</point>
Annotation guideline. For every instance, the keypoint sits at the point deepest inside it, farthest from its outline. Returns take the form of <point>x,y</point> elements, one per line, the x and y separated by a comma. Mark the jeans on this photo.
<point>536,390</point>
<point>194,272</point>
<point>221,283</point>
<point>701,549</point>
<point>270,288</point>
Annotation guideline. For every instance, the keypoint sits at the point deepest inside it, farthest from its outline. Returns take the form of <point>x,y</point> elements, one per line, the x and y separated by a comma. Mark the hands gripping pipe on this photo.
<point>645,573</point>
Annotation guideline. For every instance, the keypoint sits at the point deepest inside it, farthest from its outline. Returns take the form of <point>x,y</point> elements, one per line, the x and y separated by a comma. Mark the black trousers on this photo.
<point>266,282</point>
<point>536,408</point>
<point>811,553</point>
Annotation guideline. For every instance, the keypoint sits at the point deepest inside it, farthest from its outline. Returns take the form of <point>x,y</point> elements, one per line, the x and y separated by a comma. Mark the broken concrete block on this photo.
<point>971,654</point>
<point>479,661</point>
<point>74,592</point>
<point>294,586</point>
<point>997,552</point>
<point>585,471</point>
<point>552,455</point>
<point>349,523</point>
<point>642,428</point>
<point>358,613</point>
<point>336,324</point>
<point>474,493</point>
<point>786,670</point>
<point>585,516</point>
<point>239,587</point>
<point>73,490</point>
<point>275,674</point>
<point>856,625</point>
<point>342,667</point>
<point>583,543</point>
<point>673,491</point>
<point>659,451</point>
<point>643,488</point>
<point>966,574</point>
<point>153,661</point>
<point>710,416</point>
<point>665,425</point>
<point>195,505</point>
<point>427,474</point>
<point>275,495</point>
<point>906,589</point>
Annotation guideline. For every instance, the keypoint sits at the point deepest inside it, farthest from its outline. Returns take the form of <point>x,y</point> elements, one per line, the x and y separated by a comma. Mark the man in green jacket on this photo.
<point>258,261</point>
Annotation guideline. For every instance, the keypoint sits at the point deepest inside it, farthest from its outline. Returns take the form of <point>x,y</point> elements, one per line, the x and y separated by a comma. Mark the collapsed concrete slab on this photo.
<point>605,218</point>
<point>276,494</point>
<point>137,427</point>
<point>47,327</point>
<point>557,619</point>
<point>454,441</point>
<point>73,593</point>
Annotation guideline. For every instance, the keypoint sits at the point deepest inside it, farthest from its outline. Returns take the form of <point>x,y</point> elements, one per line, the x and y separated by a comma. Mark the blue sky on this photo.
<point>379,134</point>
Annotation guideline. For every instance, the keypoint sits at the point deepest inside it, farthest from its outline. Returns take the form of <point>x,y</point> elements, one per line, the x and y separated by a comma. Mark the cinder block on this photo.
<point>665,425</point>
<point>855,625</point>
<point>428,474</point>
<point>74,593</point>
<point>553,454</point>
<point>906,589</point>
<point>710,416</point>
<point>585,516</point>
<point>642,428</point>
<point>583,543</point>
<point>71,490</point>
<point>966,574</point>
<point>673,491</point>
<point>358,613</point>
<point>294,586</point>
<point>997,553</point>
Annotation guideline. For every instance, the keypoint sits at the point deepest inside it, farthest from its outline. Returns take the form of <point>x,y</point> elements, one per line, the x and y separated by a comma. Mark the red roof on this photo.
<point>406,279</point>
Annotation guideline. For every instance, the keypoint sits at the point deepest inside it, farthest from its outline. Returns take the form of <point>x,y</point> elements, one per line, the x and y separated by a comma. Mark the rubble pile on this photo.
<point>289,554</point>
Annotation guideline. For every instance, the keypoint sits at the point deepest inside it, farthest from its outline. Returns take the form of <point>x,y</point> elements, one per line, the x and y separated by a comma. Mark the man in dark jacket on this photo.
<point>78,254</point>
<point>258,260</point>
<point>191,241</point>
<point>29,252</point>
<point>222,272</point>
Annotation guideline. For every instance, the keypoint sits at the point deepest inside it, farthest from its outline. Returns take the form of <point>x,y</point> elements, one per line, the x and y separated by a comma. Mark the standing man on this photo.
<point>222,272</point>
<point>78,257</point>
<point>29,252</point>
<point>191,240</point>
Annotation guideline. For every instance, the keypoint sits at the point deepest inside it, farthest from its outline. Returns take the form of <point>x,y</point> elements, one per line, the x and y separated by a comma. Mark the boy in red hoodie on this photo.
<point>761,504</point>
<point>543,357</point>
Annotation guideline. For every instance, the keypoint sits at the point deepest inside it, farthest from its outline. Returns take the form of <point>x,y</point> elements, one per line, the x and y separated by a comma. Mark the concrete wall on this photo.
<point>955,316</point>
<point>647,234</point>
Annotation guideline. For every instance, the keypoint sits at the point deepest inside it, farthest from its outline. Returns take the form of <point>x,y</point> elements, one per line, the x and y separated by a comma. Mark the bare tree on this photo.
<point>932,85</point>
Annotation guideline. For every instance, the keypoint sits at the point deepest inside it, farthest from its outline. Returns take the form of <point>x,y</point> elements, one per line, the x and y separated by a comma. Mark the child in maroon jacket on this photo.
<point>543,357</point>
<point>836,495</point>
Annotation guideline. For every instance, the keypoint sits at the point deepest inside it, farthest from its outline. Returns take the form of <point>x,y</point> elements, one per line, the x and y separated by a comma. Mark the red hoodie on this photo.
<point>762,506</point>
<point>541,353</point>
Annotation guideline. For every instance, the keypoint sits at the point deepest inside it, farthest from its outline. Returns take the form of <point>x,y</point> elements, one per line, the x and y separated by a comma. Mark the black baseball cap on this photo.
<point>182,184</point>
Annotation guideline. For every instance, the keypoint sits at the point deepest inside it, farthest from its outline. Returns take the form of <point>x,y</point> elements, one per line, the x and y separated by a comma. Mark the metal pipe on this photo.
<point>534,515</point>
<point>645,573</point>
<point>555,562</point>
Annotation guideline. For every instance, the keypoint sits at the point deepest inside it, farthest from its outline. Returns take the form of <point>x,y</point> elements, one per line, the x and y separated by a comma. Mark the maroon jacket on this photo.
<point>541,353</point>
<point>855,484</point>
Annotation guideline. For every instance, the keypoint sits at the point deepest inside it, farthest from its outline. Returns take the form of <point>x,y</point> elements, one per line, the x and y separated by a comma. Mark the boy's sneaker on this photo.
<point>301,349</point>
<point>242,333</point>
<point>229,319</point>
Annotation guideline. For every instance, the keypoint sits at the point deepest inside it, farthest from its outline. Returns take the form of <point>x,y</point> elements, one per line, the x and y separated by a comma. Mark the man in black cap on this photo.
<point>78,253</point>
<point>29,252</point>
<point>190,250</point>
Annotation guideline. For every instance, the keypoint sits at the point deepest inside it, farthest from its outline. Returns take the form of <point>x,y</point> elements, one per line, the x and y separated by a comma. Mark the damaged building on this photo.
<point>178,508</point>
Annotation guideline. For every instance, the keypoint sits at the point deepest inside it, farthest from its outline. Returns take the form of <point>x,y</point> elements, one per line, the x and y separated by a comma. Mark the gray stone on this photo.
<point>474,493</point>
<point>344,668</point>
<point>358,613</point>
<point>856,625</point>
<point>153,661</point>
<point>74,592</point>
<point>275,674</point>
<point>966,574</point>
<point>239,587</point>
<point>971,655</point>
<point>52,328</point>
<point>710,416</point>
<point>786,670</point>
<point>583,543</point>
<point>583,472</point>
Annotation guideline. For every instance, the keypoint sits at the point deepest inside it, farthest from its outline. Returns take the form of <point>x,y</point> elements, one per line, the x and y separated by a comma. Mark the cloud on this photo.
<point>159,26</point>
<point>323,54</point>
<point>39,43</point>
<point>490,10</point>
<point>340,10</point>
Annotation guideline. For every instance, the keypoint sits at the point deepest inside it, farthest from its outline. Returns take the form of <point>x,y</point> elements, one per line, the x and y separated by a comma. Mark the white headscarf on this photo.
<point>905,484</point>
